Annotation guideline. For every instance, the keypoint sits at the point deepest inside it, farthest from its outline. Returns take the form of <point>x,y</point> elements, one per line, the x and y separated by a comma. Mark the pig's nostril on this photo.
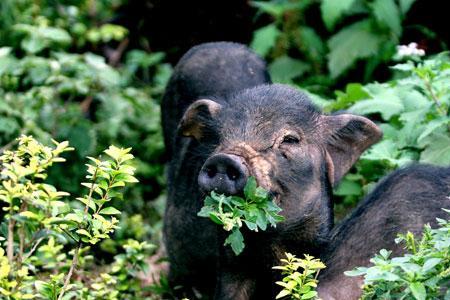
<point>232,173</point>
<point>211,172</point>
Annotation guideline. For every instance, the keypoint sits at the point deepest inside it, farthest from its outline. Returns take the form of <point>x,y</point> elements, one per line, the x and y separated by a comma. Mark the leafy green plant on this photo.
<point>256,210</point>
<point>48,238</point>
<point>299,285</point>
<point>423,273</point>
<point>293,47</point>
<point>316,52</point>
<point>412,111</point>
<point>374,37</point>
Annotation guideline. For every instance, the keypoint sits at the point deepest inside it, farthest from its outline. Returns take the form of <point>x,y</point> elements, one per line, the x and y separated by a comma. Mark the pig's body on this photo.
<point>222,123</point>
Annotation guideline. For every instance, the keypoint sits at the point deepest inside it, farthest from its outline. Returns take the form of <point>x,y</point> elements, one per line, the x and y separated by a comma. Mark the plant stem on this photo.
<point>435,98</point>
<point>69,275</point>
<point>33,249</point>
<point>77,250</point>
<point>21,237</point>
<point>10,242</point>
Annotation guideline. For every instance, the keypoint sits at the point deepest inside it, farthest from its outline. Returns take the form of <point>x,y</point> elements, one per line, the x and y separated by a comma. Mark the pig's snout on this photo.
<point>224,174</point>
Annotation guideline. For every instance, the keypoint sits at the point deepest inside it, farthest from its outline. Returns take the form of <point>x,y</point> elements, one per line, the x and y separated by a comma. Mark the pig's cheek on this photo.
<point>288,153</point>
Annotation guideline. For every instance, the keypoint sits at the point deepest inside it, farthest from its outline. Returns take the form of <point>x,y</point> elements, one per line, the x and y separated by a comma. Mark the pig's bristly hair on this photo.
<point>250,112</point>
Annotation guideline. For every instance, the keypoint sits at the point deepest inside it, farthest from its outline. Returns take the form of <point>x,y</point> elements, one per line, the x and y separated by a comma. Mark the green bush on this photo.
<point>315,52</point>
<point>299,285</point>
<point>413,112</point>
<point>48,236</point>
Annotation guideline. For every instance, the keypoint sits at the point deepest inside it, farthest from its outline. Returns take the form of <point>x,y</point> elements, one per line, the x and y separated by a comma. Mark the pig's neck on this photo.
<point>307,231</point>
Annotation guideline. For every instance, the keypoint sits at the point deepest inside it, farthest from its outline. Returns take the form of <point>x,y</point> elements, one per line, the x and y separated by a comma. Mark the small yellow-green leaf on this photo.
<point>282,294</point>
<point>30,215</point>
<point>110,211</point>
<point>83,232</point>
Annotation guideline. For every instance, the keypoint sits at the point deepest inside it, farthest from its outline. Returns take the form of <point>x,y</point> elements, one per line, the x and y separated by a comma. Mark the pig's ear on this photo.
<point>196,117</point>
<point>347,136</point>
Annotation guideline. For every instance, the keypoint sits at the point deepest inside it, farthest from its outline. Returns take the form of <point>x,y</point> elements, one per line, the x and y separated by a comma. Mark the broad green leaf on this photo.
<point>353,92</point>
<point>385,101</point>
<point>356,272</point>
<point>309,295</point>
<point>437,149</point>
<point>350,44</point>
<point>283,293</point>
<point>264,39</point>
<point>88,202</point>
<point>278,8</point>
<point>261,220</point>
<point>387,13</point>
<point>54,34</point>
<point>110,211</point>
<point>33,44</point>
<point>432,126</point>
<point>333,10</point>
<point>215,219</point>
<point>311,43</point>
<point>83,232</point>
<point>430,263</point>
<point>4,270</point>
<point>236,240</point>
<point>284,69</point>
<point>251,225</point>
<point>348,187</point>
<point>384,150</point>
<point>30,215</point>
<point>418,290</point>
<point>405,5</point>
<point>250,187</point>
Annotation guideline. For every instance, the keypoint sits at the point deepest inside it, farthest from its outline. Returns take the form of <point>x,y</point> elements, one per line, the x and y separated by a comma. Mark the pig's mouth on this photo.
<point>228,169</point>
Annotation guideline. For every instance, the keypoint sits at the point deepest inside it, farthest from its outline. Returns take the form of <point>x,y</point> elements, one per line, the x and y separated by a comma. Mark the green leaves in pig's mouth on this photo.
<point>256,210</point>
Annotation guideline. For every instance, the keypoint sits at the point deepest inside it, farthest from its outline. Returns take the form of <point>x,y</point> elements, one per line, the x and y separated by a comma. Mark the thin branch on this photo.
<point>13,142</point>
<point>7,146</point>
<point>86,103</point>
<point>435,98</point>
<point>10,242</point>
<point>38,242</point>
<point>69,275</point>
<point>115,56</point>
<point>77,250</point>
<point>21,237</point>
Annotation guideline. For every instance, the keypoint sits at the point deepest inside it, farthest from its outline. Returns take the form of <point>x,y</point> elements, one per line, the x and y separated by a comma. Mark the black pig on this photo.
<point>239,126</point>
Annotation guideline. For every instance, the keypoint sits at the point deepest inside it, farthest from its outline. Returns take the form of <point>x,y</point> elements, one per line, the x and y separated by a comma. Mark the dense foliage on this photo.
<point>315,54</point>
<point>299,285</point>
<point>413,112</point>
<point>42,221</point>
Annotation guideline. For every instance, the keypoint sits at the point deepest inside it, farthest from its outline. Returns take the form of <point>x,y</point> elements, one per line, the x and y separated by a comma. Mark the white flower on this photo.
<point>409,50</point>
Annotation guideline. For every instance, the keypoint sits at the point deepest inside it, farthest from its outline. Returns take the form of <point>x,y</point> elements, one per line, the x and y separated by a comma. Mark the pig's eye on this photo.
<point>290,139</point>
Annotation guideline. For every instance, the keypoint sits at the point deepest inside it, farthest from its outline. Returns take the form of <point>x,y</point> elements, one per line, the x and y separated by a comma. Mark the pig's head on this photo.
<point>274,133</point>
